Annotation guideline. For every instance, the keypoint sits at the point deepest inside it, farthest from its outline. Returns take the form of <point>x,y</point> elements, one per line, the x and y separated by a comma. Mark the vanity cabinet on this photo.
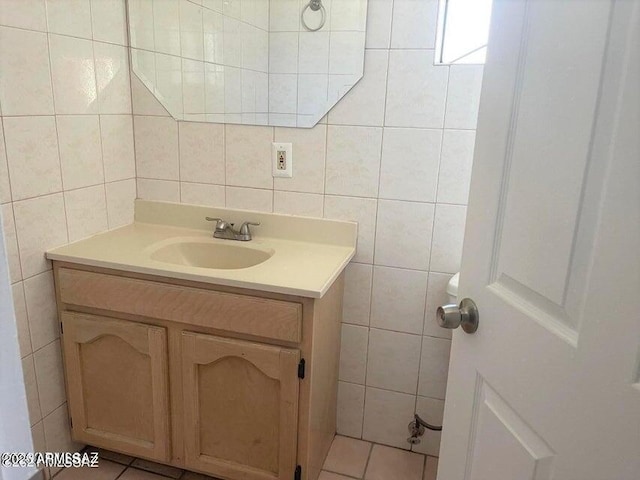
<point>117,384</point>
<point>235,383</point>
<point>235,391</point>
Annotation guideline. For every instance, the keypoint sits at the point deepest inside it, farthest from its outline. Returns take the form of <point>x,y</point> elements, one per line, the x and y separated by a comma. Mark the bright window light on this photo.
<point>463,31</point>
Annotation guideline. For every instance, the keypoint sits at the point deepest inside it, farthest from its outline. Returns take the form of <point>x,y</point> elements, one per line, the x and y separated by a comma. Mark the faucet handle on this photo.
<point>244,228</point>
<point>220,223</point>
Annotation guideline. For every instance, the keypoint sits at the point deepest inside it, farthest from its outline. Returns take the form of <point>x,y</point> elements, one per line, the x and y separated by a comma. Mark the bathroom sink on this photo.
<point>203,254</point>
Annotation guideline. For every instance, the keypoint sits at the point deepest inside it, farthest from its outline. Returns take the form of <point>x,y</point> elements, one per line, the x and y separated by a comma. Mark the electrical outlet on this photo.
<point>282,159</point>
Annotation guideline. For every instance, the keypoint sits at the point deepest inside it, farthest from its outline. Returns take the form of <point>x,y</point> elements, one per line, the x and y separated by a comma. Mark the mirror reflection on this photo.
<point>259,62</point>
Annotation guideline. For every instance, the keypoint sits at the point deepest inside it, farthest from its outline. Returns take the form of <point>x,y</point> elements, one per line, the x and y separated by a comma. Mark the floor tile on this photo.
<point>332,476</point>
<point>158,468</point>
<point>196,476</point>
<point>135,474</point>
<point>348,456</point>
<point>388,463</point>
<point>431,468</point>
<point>106,471</point>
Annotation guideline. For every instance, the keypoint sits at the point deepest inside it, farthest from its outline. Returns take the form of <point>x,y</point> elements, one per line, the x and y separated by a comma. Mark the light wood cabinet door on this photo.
<point>117,384</point>
<point>240,407</point>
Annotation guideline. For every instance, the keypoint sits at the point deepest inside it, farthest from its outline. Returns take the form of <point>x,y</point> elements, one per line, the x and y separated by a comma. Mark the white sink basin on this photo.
<point>202,254</point>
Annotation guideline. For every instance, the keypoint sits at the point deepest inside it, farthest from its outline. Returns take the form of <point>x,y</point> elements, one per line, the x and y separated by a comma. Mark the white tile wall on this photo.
<point>67,167</point>
<point>395,155</point>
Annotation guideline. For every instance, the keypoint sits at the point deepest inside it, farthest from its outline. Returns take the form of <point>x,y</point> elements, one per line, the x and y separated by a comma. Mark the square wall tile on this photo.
<point>284,16</point>
<point>80,150</point>
<point>5,188</point>
<point>379,15</point>
<point>448,236</point>
<point>249,199</point>
<point>386,417</point>
<point>31,388</point>
<point>41,224</point>
<point>27,14</point>
<point>294,203</point>
<point>202,194</point>
<point>430,468</point>
<point>313,53</point>
<point>431,411</point>
<point>201,152</point>
<point>144,102</point>
<point>191,31</point>
<point>361,210</point>
<point>414,23</point>
<point>393,361</point>
<point>398,299</point>
<point>347,456</point>
<point>410,160</point>
<point>11,243</point>
<point>58,435</point>
<point>32,155</point>
<point>283,52</point>
<point>416,90</point>
<point>156,146</point>
<point>48,366</point>
<point>436,296</point>
<point>309,153</point>
<point>356,303</point>
<point>454,178</point>
<point>387,463</point>
<point>158,190</point>
<point>353,353</point>
<point>112,76</point>
<point>350,409</point>
<point>116,133</point>
<point>434,367</point>
<point>22,322</point>
<point>364,103</point>
<point>353,161</point>
<point>120,202</point>
<point>73,73</point>
<point>40,297</point>
<point>463,96</point>
<point>109,21</point>
<point>69,17</point>
<point>25,87</point>
<point>86,212</point>
<point>403,236</point>
<point>248,156</point>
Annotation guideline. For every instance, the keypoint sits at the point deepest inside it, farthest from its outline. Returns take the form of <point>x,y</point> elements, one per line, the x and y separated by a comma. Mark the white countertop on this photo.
<point>308,253</point>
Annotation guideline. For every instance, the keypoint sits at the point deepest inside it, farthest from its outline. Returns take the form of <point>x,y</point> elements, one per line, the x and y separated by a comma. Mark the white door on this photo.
<point>549,385</point>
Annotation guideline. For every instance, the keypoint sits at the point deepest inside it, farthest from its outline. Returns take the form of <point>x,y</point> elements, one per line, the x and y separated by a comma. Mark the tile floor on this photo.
<point>348,459</point>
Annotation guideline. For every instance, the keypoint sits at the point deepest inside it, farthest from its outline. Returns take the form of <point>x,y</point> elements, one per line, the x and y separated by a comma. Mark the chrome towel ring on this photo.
<point>314,6</point>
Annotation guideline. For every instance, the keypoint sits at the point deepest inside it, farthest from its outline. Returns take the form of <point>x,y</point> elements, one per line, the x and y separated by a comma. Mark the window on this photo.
<point>463,31</point>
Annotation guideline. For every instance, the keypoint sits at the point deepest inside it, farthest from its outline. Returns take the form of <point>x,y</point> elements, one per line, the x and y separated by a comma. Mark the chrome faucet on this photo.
<point>226,231</point>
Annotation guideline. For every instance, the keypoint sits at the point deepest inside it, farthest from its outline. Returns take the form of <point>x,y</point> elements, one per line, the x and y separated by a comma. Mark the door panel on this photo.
<point>545,387</point>
<point>515,450</point>
<point>117,382</point>
<point>241,407</point>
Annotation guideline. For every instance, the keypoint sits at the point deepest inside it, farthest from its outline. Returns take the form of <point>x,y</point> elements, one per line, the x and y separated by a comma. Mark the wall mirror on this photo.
<point>255,62</point>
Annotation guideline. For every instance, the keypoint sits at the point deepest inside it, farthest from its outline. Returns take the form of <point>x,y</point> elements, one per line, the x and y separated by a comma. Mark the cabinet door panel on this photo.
<point>117,383</point>
<point>241,407</point>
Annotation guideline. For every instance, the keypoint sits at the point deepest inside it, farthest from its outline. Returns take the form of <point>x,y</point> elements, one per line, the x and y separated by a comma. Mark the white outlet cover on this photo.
<point>287,148</point>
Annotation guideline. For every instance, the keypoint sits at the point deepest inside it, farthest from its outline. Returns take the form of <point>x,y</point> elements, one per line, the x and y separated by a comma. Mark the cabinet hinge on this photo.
<point>298,474</point>
<point>71,422</point>
<point>61,328</point>
<point>301,368</point>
